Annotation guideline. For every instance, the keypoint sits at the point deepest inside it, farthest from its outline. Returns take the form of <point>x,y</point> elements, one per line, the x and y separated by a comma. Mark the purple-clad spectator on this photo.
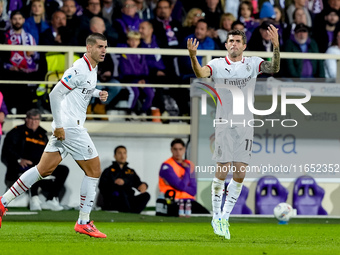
<point>133,68</point>
<point>3,112</point>
<point>17,5</point>
<point>157,71</point>
<point>324,32</point>
<point>20,61</point>
<point>154,62</point>
<point>178,174</point>
<point>245,16</point>
<point>177,10</point>
<point>279,23</point>
<point>19,65</point>
<point>302,43</point>
<point>129,20</point>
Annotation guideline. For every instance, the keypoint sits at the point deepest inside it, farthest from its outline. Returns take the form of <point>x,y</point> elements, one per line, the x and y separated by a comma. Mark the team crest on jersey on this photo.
<point>89,149</point>
<point>248,68</point>
<point>67,78</point>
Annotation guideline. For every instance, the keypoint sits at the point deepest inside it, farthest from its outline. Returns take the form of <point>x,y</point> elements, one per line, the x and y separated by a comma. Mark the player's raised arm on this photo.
<point>272,66</point>
<point>200,72</point>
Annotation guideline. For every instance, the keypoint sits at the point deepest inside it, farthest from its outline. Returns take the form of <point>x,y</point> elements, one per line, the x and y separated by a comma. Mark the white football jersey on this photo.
<point>241,74</point>
<point>81,81</point>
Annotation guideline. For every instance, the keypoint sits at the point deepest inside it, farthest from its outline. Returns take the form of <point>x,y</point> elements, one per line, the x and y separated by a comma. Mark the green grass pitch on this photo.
<point>52,233</point>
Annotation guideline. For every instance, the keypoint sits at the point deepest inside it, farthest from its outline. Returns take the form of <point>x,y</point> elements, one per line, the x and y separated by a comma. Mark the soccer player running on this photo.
<point>69,100</point>
<point>232,143</point>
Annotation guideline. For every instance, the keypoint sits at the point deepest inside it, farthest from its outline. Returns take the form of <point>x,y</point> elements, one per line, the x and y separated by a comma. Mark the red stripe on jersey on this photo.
<point>260,66</point>
<point>87,62</point>
<point>226,59</point>
<point>210,69</point>
<point>65,84</point>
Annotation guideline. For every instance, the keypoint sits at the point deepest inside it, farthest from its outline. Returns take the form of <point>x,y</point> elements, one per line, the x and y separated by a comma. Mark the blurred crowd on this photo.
<point>306,26</point>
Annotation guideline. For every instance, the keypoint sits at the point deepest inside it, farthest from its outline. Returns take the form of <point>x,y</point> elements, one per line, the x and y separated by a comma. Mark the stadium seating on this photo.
<point>269,193</point>
<point>307,196</point>
<point>240,206</point>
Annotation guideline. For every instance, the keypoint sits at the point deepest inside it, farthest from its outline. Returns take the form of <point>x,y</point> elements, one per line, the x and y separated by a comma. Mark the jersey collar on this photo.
<point>229,62</point>
<point>87,62</point>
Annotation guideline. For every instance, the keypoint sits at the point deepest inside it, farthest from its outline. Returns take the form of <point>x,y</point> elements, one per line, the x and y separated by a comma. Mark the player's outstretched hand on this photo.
<point>103,95</point>
<point>59,133</point>
<point>274,36</point>
<point>192,45</point>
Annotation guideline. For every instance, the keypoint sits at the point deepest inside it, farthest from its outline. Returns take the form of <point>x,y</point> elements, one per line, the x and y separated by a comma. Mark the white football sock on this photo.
<point>25,181</point>
<point>217,189</point>
<point>233,192</point>
<point>87,196</point>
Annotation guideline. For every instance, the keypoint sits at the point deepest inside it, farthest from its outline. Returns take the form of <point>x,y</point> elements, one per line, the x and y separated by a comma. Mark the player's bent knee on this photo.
<point>45,171</point>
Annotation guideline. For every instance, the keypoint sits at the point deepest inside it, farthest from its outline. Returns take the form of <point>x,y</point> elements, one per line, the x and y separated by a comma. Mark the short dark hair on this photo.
<point>238,32</point>
<point>203,21</point>
<point>169,2</point>
<point>177,140</point>
<point>237,22</point>
<point>119,147</point>
<point>91,39</point>
<point>147,22</point>
<point>55,13</point>
<point>15,13</point>
<point>33,112</point>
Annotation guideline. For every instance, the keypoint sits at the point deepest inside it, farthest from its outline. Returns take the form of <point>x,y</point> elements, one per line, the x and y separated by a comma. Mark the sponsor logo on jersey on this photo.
<point>240,83</point>
<point>87,91</point>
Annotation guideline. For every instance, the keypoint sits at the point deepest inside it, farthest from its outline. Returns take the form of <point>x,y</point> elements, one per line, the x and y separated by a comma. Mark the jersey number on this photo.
<point>249,144</point>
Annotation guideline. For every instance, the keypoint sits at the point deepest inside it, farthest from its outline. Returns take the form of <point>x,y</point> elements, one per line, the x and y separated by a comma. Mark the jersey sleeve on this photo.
<point>72,78</point>
<point>212,66</point>
<point>257,61</point>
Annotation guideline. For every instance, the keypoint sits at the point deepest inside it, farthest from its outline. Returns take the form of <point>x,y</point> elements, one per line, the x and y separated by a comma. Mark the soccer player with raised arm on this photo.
<point>232,143</point>
<point>69,100</point>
